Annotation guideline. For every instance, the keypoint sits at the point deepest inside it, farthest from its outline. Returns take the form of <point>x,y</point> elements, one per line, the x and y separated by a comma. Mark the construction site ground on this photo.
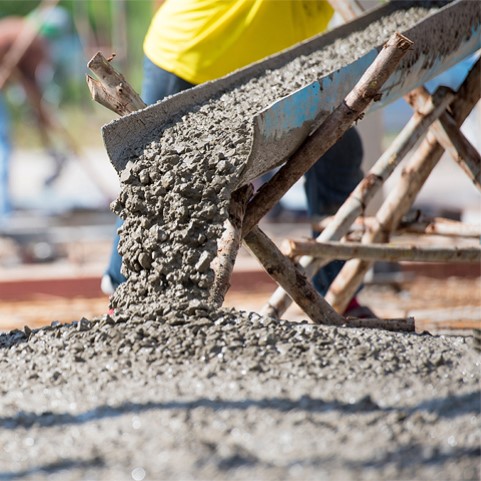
<point>439,296</point>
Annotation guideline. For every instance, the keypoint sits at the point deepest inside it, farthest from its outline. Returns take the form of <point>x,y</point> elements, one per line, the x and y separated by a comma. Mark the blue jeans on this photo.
<point>327,184</point>
<point>5,149</point>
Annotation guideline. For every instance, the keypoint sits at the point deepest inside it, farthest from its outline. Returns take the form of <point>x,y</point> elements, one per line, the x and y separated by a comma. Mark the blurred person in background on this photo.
<point>35,42</point>
<point>23,71</point>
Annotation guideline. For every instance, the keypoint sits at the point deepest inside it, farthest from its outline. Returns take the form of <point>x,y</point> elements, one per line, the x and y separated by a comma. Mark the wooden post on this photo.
<point>355,204</point>
<point>335,125</point>
<point>112,90</point>
<point>229,245</point>
<point>401,198</point>
<point>373,252</point>
<point>286,274</point>
<point>450,137</point>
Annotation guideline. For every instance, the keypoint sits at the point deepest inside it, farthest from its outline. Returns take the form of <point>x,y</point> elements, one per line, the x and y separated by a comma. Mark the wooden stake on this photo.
<point>283,271</point>
<point>350,250</point>
<point>451,138</point>
<point>229,245</point>
<point>112,90</point>
<point>336,124</point>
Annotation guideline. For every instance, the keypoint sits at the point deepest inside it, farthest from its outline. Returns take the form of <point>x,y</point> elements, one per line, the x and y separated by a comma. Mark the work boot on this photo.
<point>354,309</point>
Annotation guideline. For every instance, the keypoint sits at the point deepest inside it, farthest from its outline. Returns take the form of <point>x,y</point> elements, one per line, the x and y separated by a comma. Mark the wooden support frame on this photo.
<point>115,93</point>
<point>397,203</point>
<point>357,201</point>
<point>400,199</point>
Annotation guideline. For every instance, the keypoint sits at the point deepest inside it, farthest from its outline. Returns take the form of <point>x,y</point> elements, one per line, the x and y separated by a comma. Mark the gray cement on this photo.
<point>236,397</point>
<point>175,194</point>
<point>169,389</point>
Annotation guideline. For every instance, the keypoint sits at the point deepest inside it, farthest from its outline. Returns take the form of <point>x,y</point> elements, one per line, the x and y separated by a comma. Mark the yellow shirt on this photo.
<point>201,40</point>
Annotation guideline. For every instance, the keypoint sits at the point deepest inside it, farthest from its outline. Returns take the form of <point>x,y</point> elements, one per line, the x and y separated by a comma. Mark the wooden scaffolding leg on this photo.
<point>355,204</point>
<point>229,245</point>
<point>401,198</point>
<point>284,271</point>
<point>336,124</point>
<point>453,141</point>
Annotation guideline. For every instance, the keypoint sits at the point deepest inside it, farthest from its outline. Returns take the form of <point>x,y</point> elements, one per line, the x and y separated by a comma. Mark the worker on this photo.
<point>25,72</point>
<point>194,41</point>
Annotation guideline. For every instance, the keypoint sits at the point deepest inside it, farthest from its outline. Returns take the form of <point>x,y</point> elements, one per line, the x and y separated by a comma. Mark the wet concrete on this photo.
<point>175,194</point>
<point>168,388</point>
<point>236,397</point>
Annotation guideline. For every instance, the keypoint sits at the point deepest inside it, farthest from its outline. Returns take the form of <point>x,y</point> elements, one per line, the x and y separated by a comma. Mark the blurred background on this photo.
<point>57,183</point>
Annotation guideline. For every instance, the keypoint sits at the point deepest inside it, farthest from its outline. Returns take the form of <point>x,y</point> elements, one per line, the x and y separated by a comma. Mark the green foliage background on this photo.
<point>98,14</point>
<point>68,94</point>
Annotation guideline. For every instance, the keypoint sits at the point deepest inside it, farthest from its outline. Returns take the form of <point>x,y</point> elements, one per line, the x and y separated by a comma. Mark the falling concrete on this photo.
<point>169,389</point>
<point>176,193</point>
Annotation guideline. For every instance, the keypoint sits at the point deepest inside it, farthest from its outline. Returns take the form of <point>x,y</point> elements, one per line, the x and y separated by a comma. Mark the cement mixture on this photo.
<point>169,389</point>
<point>239,397</point>
<point>176,194</point>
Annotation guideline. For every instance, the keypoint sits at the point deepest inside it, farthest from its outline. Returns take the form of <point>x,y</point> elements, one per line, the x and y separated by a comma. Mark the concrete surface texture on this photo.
<point>225,394</point>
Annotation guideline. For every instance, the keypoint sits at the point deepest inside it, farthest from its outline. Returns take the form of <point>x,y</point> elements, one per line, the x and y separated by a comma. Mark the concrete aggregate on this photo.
<point>175,195</point>
<point>167,388</point>
<point>236,396</point>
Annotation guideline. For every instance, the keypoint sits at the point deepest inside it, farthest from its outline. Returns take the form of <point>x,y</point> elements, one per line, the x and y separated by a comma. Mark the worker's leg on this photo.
<point>157,84</point>
<point>113,277</point>
<point>328,183</point>
<point>5,206</point>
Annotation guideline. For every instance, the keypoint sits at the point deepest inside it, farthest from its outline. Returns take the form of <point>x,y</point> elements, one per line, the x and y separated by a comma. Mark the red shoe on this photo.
<point>354,309</point>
